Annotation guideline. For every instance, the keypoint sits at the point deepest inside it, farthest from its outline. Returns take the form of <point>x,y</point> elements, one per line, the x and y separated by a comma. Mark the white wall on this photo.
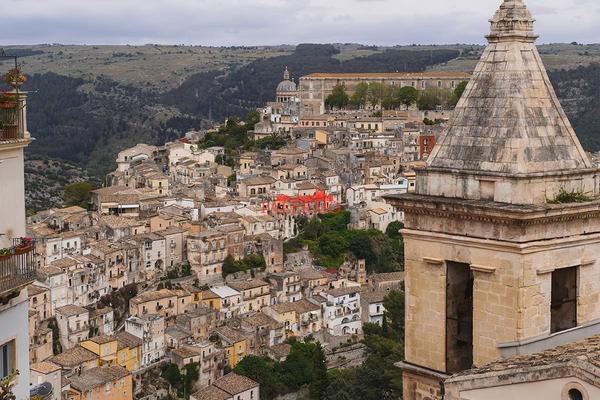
<point>12,199</point>
<point>14,325</point>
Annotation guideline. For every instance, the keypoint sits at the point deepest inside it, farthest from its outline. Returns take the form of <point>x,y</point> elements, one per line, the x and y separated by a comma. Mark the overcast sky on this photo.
<point>270,22</point>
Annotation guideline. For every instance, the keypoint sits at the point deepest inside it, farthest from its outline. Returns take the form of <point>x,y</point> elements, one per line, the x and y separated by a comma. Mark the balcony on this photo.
<point>17,267</point>
<point>12,122</point>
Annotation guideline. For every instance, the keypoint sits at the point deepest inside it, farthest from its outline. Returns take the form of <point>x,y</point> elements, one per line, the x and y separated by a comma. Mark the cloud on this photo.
<point>256,22</point>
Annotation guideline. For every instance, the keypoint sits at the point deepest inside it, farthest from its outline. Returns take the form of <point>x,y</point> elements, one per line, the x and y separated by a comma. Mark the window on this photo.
<point>459,317</point>
<point>575,394</point>
<point>563,307</point>
<point>7,358</point>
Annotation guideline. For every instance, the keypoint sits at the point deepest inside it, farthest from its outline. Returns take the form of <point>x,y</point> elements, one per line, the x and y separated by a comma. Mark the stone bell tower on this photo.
<point>498,262</point>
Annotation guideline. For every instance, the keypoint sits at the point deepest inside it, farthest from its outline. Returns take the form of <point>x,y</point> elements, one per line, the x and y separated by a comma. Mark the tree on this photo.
<point>260,369</point>
<point>78,194</point>
<point>320,381</point>
<point>359,98</point>
<point>333,244</point>
<point>191,376</point>
<point>394,309</point>
<point>338,98</point>
<point>229,266</point>
<point>171,374</point>
<point>407,96</point>
<point>375,93</point>
<point>432,98</point>
<point>458,92</point>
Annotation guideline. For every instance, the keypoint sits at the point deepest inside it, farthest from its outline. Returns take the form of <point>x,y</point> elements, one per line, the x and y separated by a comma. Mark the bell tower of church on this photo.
<point>500,260</point>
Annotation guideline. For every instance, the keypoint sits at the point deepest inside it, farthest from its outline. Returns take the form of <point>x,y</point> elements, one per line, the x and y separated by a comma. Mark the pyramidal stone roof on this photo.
<point>509,120</point>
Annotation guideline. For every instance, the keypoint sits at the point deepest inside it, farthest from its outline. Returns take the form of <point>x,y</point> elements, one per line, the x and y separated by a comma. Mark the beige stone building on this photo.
<point>498,263</point>
<point>255,294</point>
<point>315,88</point>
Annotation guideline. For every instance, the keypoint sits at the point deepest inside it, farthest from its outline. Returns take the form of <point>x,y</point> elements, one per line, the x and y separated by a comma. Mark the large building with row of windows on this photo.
<point>314,88</point>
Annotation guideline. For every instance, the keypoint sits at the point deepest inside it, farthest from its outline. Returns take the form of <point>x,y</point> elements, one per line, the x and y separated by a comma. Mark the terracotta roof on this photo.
<point>211,393</point>
<point>585,353</point>
<point>235,384</point>
<point>44,367</point>
<point>343,291</point>
<point>96,377</point>
<point>71,310</point>
<point>126,339</point>
<point>261,319</point>
<point>246,285</point>
<point>300,307</point>
<point>371,297</point>
<point>187,351</point>
<point>153,296</point>
<point>73,357</point>
<point>230,334</point>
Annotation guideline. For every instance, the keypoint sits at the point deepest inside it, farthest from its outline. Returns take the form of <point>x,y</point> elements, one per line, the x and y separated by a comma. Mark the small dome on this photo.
<point>286,86</point>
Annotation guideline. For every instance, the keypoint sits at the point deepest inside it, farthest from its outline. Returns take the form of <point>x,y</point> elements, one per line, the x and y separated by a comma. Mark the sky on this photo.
<point>273,22</point>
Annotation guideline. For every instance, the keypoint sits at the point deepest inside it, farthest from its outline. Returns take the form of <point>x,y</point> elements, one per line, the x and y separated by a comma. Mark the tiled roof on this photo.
<point>235,384</point>
<point>71,310</point>
<point>211,393</point>
<point>73,357</point>
<point>96,377</point>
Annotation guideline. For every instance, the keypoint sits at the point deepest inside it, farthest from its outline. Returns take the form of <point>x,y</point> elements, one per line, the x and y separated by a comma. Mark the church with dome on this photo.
<point>283,114</point>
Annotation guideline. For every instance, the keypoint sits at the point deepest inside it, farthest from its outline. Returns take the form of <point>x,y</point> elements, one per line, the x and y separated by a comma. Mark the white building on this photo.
<point>231,301</point>
<point>372,306</point>
<point>343,311</point>
<point>151,329</point>
<point>16,270</point>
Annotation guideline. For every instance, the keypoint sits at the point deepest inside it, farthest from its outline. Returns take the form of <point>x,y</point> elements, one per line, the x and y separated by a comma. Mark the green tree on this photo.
<point>407,96</point>
<point>260,369</point>
<point>229,266</point>
<point>432,98</point>
<point>375,93</point>
<point>78,194</point>
<point>255,261</point>
<point>333,244</point>
<point>320,381</point>
<point>191,376</point>
<point>394,310</point>
<point>338,98</point>
<point>458,92</point>
<point>171,374</point>
<point>359,97</point>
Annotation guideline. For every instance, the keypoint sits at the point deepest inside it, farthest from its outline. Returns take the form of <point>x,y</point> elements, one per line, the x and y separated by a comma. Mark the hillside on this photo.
<point>88,102</point>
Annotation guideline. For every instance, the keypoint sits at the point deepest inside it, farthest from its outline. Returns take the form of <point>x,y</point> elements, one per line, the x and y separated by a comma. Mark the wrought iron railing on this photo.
<point>17,269</point>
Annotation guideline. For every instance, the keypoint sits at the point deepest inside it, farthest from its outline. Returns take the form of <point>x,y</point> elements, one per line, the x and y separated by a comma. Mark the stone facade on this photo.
<point>315,88</point>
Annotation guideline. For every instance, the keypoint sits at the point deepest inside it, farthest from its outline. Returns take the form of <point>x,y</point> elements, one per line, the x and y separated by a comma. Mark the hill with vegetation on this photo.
<point>88,102</point>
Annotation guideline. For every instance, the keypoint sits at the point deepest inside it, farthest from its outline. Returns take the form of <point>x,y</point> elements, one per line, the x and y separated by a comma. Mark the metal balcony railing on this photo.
<point>12,125</point>
<point>17,269</point>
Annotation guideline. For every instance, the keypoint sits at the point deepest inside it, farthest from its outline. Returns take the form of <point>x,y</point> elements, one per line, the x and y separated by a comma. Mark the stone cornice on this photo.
<point>494,213</point>
<point>504,246</point>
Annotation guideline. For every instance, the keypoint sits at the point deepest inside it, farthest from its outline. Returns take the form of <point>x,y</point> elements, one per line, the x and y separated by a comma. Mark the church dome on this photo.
<point>286,85</point>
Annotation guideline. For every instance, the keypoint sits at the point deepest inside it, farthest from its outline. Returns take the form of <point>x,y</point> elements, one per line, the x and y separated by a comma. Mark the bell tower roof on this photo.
<point>509,120</point>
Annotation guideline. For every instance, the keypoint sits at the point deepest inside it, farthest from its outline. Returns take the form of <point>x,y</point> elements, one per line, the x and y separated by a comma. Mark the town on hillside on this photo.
<point>417,235</point>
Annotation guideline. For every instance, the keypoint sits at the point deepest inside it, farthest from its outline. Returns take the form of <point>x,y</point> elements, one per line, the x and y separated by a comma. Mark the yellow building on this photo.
<point>284,314</point>
<point>210,299</point>
<point>123,349</point>
<point>234,343</point>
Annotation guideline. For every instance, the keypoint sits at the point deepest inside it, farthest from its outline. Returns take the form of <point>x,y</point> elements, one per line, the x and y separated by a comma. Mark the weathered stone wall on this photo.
<point>419,387</point>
